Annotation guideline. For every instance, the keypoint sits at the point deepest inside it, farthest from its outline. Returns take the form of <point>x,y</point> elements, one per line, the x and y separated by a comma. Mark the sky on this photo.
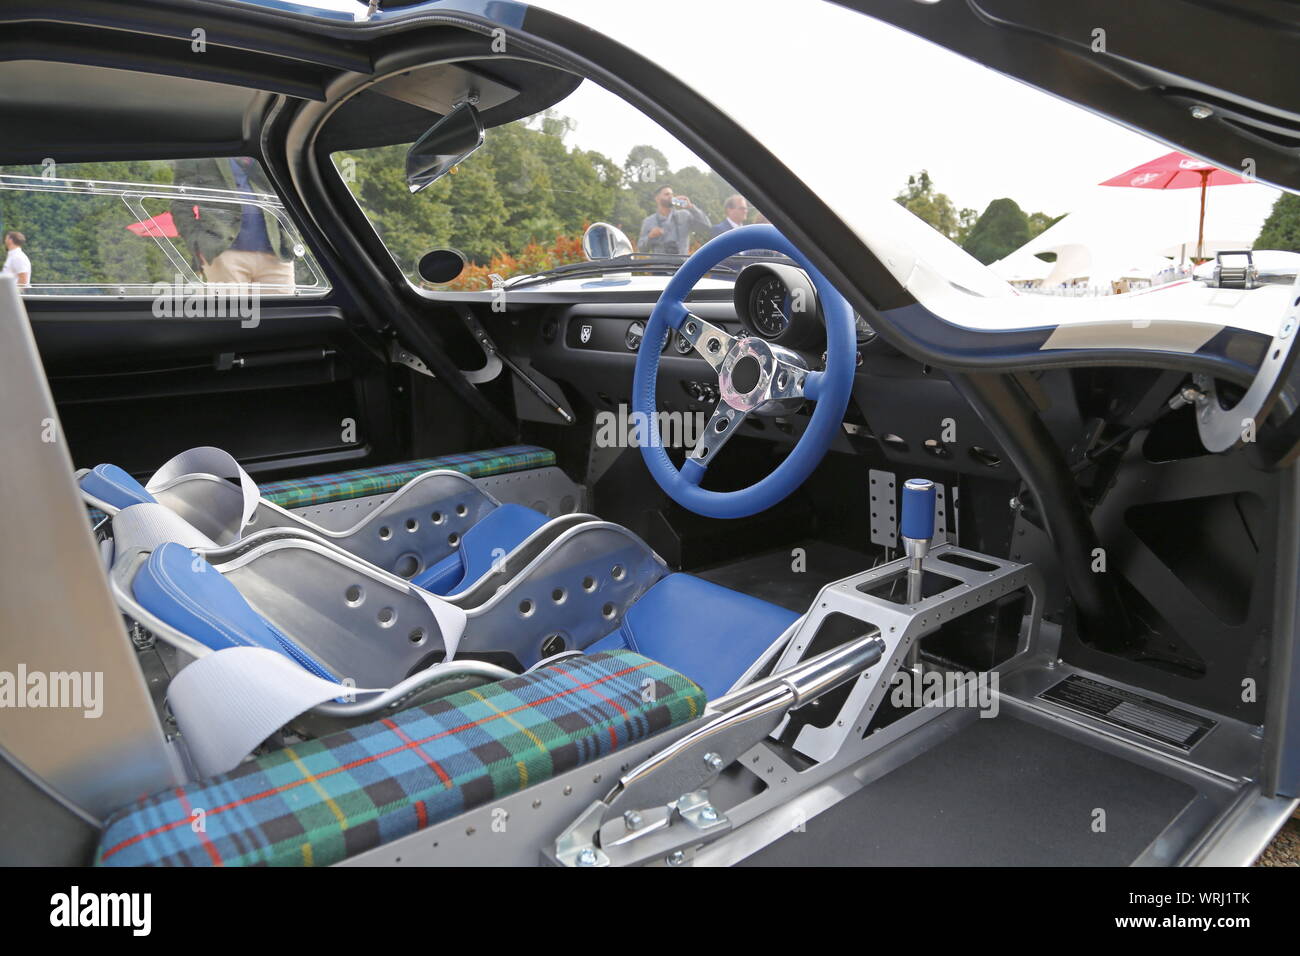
<point>840,97</point>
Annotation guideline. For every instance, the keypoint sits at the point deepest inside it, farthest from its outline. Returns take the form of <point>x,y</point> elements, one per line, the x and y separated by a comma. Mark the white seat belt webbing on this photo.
<point>229,701</point>
<point>210,461</point>
<point>147,526</point>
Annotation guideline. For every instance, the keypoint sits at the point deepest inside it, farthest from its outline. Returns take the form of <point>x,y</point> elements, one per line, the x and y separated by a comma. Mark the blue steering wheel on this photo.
<point>754,375</point>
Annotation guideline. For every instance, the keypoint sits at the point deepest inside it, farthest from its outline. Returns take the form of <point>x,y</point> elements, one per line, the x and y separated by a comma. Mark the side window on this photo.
<point>151,229</point>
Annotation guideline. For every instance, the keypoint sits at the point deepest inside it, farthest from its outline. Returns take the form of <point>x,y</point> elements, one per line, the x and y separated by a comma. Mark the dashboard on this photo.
<point>589,349</point>
<point>772,300</point>
<point>594,346</point>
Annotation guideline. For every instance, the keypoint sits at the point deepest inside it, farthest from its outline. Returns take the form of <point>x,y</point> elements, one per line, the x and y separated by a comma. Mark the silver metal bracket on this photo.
<point>1224,428</point>
<point>884,508</point>
<point>490,370</point>
<point>661,809</point>
<point>400,356</point>
<point>667,835</point>
<point>877,598</point>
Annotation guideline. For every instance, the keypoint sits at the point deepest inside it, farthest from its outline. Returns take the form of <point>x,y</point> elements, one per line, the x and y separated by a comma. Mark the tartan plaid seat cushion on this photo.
<point>383,479</point>
<point>332,798</point>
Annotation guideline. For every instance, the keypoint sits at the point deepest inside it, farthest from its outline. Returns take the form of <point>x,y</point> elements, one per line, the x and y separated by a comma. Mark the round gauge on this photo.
<point>682,344</point>
<point>769,307</point>
<point>635,332</point>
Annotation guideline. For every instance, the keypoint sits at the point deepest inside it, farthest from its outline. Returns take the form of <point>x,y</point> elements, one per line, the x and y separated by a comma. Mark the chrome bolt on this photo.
<point>676,858</point>
<point>1201,111</point>
<point>1015,504</point>
<point>712,761</point>
<point>632,820</point>
<point>586,857</point>
<point>708,815</point>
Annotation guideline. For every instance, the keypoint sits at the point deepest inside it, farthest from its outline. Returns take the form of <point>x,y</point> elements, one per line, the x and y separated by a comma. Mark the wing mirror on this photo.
<point>603,241</point>
<point>448,142</point>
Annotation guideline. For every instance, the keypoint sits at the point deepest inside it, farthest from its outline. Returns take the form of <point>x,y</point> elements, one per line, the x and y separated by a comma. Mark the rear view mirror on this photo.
<point>448,142</point>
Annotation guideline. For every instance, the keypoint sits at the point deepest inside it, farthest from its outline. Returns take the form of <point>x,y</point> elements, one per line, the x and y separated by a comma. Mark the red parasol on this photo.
<point>155,227</point>
<point>1178,171</point>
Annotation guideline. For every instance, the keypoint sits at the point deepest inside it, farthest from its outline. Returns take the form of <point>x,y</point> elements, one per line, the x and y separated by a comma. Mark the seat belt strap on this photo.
<point>229,701</point>
<point>208,460</point>
<point>149,525</point>
<point>451,619</point>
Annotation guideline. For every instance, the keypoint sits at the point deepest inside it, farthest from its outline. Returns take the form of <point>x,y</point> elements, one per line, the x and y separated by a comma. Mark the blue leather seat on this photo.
<point>196,599</point>
<point>709,633</point>
<point>112,484</point>
<point>497,533</point>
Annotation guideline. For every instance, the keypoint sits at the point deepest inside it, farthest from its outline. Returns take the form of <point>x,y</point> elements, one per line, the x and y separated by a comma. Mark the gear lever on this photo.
<point>917,529</point>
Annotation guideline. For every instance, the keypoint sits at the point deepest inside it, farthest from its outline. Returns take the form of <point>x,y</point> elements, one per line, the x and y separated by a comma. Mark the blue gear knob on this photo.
<point>918,509</point>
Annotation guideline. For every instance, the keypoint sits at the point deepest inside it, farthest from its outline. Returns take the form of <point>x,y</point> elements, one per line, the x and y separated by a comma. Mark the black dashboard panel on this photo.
<point>911,415</point>
<point>605,328</point>
<point>590,349</point>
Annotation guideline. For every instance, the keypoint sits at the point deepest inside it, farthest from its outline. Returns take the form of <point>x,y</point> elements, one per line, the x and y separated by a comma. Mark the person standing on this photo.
<point>734,212</point>
<point>233,242</point>
<point>16,262</point>
<point>668,229</point>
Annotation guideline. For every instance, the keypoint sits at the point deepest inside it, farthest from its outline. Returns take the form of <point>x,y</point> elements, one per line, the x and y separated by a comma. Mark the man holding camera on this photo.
<point>668,229</point>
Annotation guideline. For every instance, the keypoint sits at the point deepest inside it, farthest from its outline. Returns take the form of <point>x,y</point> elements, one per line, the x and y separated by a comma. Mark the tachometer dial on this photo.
<point>769,307</point>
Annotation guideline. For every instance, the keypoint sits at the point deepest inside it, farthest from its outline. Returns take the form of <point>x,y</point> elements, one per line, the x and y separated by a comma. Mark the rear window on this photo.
<point>151,229</point>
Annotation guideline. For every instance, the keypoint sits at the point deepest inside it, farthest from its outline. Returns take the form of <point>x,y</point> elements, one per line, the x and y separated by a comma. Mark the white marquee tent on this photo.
<point>1121,233</point>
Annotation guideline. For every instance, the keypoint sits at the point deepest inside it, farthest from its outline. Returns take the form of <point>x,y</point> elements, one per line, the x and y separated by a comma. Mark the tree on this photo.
<point>1002,229</point>
<point>1041,222</point>
<point>83,239</point>
<point>920,199</point>
<point>524,179</point>
<point>478,213</point>
<point>1281,230</point>
<point>410,225</point>
<point>645,164</point>
<point>705,189</point>
<point>966,219</point>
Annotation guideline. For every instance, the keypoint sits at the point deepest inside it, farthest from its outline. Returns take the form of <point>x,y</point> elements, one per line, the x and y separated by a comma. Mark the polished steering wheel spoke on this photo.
<point>788,380</point>
<point>722,424</point>
<point>708,340</point>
